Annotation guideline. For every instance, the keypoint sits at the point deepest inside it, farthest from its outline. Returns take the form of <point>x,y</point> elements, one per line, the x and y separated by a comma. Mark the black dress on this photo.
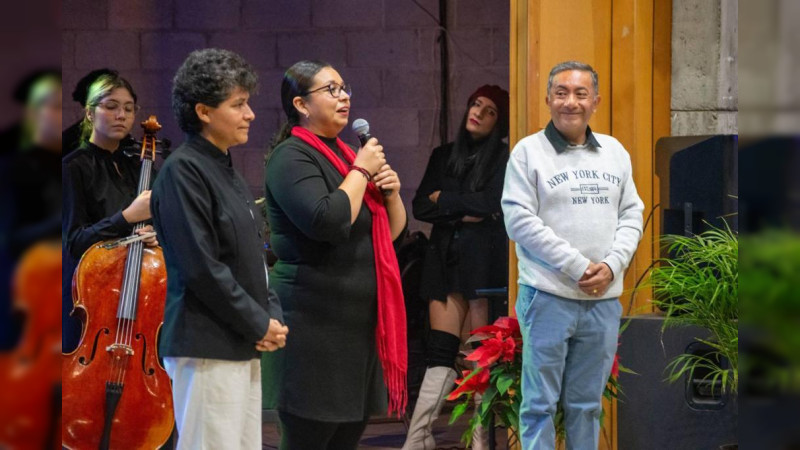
<point>325,277</point>
<point>97,185</point>
<point>462,256</point>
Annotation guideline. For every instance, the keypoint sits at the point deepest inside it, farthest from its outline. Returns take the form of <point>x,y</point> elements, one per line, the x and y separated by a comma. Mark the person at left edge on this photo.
<point>219,312</point>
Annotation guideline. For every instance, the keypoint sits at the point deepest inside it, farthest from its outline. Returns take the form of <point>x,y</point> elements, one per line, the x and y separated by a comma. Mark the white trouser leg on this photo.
<point>217,403</point>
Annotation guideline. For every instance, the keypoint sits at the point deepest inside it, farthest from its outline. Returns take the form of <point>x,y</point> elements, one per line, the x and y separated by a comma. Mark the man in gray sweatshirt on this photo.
<point>571,207</point>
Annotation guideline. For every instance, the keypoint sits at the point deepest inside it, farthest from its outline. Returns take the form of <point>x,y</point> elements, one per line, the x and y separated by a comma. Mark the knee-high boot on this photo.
<point>436,385</point>
<point>438,381</point>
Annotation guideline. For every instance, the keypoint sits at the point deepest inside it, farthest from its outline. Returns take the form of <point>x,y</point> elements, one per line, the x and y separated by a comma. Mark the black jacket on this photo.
<point>462,256</point>
<point>218,303</point>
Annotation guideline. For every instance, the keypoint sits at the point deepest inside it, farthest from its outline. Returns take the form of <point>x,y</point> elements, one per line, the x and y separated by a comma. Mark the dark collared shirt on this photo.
<point>560,143</point>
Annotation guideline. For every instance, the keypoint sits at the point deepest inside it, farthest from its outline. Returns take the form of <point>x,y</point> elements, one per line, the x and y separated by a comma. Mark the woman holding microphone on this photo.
<point>337,274</point>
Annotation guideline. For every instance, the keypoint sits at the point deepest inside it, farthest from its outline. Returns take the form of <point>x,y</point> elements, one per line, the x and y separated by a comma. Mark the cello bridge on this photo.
<point>119,351</point>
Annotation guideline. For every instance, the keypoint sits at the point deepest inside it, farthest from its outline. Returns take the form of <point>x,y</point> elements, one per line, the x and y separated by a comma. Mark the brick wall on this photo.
<point>386,49</point>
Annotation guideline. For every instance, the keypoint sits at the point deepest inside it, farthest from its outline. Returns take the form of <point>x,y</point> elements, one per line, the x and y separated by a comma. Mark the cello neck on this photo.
<point>129,294</point>
<point>145,180</point>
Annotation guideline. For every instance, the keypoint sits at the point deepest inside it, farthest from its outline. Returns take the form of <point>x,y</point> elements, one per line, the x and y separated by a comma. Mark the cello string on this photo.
<point>132,275</point>
<point>134,256</point>
<point>125,298</point>
<point>120,338</point>
<point>137,272</point>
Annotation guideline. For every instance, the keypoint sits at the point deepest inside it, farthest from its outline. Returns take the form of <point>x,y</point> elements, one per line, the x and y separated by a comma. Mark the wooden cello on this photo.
<point>30,374</point>
<point>116,394</point>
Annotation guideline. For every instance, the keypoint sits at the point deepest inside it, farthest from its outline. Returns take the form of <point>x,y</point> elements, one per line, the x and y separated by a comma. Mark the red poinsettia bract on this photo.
<point>615,366</point>
<point>506,326</point>
<point>477,383</point>
<point>493,349</point>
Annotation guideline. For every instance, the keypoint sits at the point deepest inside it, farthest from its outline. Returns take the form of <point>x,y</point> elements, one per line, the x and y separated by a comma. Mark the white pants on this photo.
<point>217,403</point>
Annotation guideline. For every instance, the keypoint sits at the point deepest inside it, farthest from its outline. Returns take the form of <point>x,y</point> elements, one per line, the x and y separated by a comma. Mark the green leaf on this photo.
<point>499,370</point>
<point>467,436</point>
<point>504,381</point>
<point>470,375</point>
<point>486,400</point>
<point>458,411</point>
<point>510,419</point>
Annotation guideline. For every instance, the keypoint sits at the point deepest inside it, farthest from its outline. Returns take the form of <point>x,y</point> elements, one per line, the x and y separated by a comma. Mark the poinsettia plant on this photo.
<point>497,378</point>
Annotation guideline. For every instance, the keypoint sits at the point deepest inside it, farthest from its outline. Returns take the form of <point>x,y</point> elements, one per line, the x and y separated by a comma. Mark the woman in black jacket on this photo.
<point>337,273</point>
<point>219,311</point>
<point>460,195</point>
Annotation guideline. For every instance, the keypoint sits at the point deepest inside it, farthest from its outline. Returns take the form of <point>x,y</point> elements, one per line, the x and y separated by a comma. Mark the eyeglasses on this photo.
<point>114,106</point>
<point>334,89</point>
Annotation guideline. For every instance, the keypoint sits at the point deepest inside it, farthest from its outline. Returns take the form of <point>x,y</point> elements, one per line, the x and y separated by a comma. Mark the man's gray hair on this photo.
<point>572,65</point>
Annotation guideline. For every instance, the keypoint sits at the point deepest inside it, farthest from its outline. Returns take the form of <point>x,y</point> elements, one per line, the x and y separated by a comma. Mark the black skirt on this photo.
<point>464,257</point>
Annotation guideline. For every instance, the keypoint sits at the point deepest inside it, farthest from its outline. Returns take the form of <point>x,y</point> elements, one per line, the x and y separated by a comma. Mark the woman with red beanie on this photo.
<point>460,195</point>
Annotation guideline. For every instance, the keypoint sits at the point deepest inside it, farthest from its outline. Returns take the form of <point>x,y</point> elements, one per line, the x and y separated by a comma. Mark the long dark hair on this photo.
<point>489,152</point>
<point>297,80</point>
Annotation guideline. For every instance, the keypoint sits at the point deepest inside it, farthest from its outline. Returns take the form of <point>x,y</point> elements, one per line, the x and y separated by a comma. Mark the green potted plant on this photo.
<point>698,286</point>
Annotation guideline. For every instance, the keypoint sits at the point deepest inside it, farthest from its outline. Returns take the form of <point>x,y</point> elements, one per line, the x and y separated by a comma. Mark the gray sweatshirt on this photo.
<point>566,206</point>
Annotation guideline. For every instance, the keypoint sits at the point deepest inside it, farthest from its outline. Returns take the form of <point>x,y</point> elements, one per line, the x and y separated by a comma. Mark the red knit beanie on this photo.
<point>500,98</point>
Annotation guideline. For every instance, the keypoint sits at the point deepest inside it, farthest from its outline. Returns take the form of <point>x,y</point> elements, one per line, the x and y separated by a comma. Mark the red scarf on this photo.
<point>391,329</point>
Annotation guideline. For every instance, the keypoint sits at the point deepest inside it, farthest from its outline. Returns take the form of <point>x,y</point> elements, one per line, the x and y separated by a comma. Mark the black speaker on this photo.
<point>770,186</point>
<point>655,414</point>
<point>699,182</point>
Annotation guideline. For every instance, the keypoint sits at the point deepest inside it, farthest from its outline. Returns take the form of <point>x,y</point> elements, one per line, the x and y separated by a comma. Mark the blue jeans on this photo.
<point>568,351</point>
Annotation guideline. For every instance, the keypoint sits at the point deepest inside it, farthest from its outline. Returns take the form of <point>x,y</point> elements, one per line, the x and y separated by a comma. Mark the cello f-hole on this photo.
<point>82,360</point>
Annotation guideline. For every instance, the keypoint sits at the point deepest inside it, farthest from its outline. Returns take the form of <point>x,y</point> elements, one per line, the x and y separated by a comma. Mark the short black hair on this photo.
<point>572,65</point>
<point>82,88</point>
<point>208,76</point>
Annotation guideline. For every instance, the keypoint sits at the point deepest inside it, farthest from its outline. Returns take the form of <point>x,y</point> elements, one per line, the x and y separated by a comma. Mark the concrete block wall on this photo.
<point>769,66</point>
<point>705,94</point>
<point>387,50</point>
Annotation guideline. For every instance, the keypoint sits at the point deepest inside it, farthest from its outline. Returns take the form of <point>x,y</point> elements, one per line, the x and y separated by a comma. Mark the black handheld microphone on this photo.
<point>361,128</point>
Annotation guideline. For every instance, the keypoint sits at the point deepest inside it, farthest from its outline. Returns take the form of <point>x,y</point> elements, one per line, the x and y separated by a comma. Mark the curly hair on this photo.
<point>208,76</point>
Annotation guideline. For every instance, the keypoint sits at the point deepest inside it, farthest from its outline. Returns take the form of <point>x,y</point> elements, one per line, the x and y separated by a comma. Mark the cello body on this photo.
<point>144,415</point>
